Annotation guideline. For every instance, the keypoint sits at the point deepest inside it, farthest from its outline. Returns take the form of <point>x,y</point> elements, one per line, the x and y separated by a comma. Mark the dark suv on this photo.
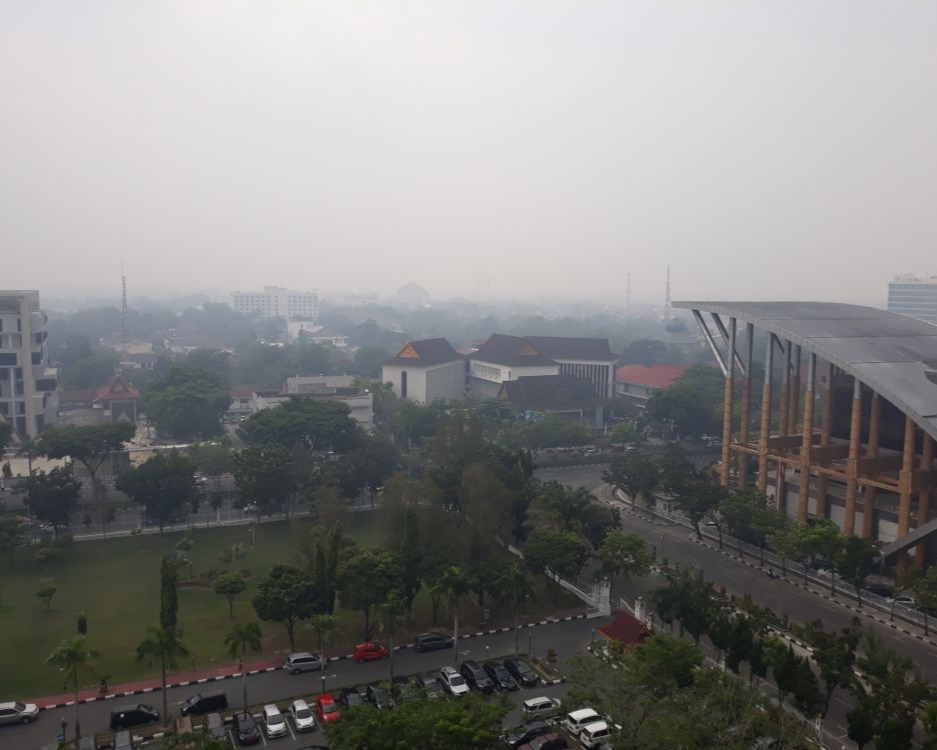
<point>204,703</point>
<point>431,642</point>
<point>521,671</point>
<point>126,717</point>
<point>476,677</point>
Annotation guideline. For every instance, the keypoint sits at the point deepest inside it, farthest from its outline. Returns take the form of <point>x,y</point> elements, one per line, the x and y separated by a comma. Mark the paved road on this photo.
<point>567,638</point>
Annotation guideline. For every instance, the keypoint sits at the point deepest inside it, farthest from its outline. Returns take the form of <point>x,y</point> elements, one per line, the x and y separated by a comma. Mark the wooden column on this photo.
<point>803,498</point>
<point>826,429</point>
<point>923,498</point>
<point>765,429</point>
<point>855,423</point>
<point>781,492</point>
<point>868,492</point>
<point>795,392</point>
<point>727,407</point>
<point>745,426</point>
<point>904,478</point>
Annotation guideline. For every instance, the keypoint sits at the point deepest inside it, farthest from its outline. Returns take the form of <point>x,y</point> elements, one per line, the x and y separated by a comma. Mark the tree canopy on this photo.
<point>52,496</point>
<point>186,402</point>
<point>163,483</point>
<point>286,596</point>
<point>318,425</point>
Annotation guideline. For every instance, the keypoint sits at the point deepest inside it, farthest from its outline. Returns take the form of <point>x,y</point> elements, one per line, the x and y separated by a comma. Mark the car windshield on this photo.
<point>523,668</point>
<point>456,680</point>
<point>303,713</point>
<point>19,706</point>
<point>274,717</point>
<point>327,707</point>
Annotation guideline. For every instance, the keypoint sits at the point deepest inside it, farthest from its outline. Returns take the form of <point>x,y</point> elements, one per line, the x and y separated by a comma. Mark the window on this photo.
<point>8,359</point>
<point>403,384</point>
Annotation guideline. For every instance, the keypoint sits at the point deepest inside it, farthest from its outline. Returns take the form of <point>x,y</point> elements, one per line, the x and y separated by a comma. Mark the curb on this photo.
<point>331,659</point>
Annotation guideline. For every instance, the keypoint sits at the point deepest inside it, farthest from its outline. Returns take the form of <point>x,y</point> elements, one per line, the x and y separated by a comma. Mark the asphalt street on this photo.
<point>279,687</point>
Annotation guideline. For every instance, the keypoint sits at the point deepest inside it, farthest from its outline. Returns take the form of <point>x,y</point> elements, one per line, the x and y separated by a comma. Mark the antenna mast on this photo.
<point>124,330</point>
<point>628,296</point>
<point>667,298</point>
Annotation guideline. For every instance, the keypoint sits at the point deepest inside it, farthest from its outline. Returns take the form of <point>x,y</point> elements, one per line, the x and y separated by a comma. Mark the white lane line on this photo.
<point>290,730</point>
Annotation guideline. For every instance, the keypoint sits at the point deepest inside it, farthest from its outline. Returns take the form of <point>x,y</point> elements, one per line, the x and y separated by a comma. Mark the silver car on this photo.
<point>18,713</point>
<point>303,661</point>
<point>303,719</point>
<point>273,721</point>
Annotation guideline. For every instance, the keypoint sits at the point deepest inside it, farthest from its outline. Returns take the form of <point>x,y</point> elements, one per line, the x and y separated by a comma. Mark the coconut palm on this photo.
<point>243,637</point>
<point>72,657</point>
<point>29,448</point>
<point>165,647</point>
<point>323,626</point>
<point>515,587</point>
<point>454,586</point>
<point>391,613</point>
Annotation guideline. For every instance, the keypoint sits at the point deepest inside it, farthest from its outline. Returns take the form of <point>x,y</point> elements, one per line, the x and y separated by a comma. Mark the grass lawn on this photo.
<point>116,583</point>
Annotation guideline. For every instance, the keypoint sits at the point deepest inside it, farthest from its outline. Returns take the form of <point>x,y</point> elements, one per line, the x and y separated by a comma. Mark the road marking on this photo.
<point>290,730</point>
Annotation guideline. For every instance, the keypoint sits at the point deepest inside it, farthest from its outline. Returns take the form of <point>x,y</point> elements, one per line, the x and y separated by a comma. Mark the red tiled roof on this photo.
<point>117,389</point>
<point>656,376</point>
<point>625,629</point>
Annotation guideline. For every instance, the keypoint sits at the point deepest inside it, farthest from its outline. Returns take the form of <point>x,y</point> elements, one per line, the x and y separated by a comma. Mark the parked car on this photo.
<point>18,713</point>
<point>453,682</point>
<point>550,741</point>
<point>431,687</point>
<point>576,721</point>
<point>351,698</point>
<point>303,661</point>
<point>431,642</point>
<point>325,708</point>
<point>273,721</point>
<point>541,708</point>
<point>522,672</point>
<point>127,717</point>
<point>404,689</point>
<point>246,729</point>
<point>214,725</point>
<point>370,652</point>
<point>377,694</point>
<point>594,734</point>
<point>905,601</point>
<point>203,703</point>
<point>302,716</point>
<point>526,732</point>
<point>500,676</point>
<point>476,676</point>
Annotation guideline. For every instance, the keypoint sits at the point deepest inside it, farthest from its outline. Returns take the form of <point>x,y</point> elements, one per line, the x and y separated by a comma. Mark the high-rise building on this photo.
<point>28,386</point>
<point>909,295</point>
<point>277,302</point>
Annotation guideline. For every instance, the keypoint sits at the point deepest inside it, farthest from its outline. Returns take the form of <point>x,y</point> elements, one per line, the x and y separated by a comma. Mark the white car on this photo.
<point>18,713</point>
<point>302,716</point>
<point>273,721</point>
<point>453,682</point>
<point>595,734</point>
<point>576,721</point>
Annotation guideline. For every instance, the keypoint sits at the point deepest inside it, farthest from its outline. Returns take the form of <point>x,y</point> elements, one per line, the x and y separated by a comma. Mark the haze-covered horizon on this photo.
<point>778,150</point>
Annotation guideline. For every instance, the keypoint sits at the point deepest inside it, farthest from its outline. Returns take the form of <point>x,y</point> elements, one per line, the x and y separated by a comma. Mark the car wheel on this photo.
<point>26,720</point>
<point>295,671</point>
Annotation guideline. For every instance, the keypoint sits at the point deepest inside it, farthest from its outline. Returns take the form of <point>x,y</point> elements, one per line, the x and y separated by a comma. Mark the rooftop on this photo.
<point>655,376</point>
<point>425,353</point>
<point>549,392</point>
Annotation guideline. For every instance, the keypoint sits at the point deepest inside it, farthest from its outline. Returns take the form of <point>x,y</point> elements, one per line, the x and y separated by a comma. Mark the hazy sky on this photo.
<point>763,149</point>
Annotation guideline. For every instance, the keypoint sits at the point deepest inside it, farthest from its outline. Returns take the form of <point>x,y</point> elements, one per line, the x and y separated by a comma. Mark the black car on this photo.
<point>526,732</point>
<point>521,671</point>
<point>246,729</point>
<point>126,717</point>
<point>203,703</point>
<point>476,676</point>
<point>351,698</point>
<point>378,695</point>
<point>431,642</point>
<point>431,688</point>
<point>404,689</point>
<point>500,676</point>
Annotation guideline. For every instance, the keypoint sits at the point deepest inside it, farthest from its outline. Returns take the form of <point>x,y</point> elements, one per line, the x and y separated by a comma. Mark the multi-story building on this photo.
<point>28,386</point>
<point>909,295</point>
<point>277,302</point>
<point>426,371</point>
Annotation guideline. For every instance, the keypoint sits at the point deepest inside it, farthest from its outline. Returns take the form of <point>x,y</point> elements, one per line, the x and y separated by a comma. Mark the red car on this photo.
<point>326,708</point>
<point>370,652</point>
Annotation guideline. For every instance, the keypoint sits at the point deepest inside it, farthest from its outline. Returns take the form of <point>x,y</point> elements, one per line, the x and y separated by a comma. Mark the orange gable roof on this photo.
<point>657,376</point>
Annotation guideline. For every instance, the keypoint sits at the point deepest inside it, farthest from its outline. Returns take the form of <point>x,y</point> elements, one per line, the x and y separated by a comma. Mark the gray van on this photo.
<point>303,661</point>
<point>541,708</point>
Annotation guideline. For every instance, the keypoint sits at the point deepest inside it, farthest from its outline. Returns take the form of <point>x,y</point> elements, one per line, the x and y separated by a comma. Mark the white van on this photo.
<point>541,708</point>
<point>576,720</point>
<point>593,735</point>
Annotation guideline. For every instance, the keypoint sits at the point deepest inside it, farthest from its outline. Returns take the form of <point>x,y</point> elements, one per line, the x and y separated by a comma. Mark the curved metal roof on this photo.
<point>893,354</point>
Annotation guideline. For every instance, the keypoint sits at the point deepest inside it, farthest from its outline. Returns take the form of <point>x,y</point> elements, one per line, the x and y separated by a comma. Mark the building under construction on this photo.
<point>847,418</point>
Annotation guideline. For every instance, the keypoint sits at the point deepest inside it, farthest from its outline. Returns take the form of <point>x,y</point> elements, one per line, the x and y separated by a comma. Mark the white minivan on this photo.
<point>594,734</point>
<point>541,708</point>
<point>576,721</point>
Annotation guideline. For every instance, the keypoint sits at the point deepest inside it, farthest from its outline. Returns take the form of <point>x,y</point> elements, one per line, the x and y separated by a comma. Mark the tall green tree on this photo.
<point>229,585</point>
<point>454,585</point>
<point>409,556</point>
<point>562,553</point>
<point>243,637</point>
<point>73,656</point>
<point>165,647</point>
<point>53,496</point>
<point>286,596</point>
<point>625,555</point>
<point>169,595</point>
<point>516,589</point>
<point>365,580</point>
<point>855,560</point>
<point>318,425</point>
<point>12,535</point>
<point>323,626</point>
<point>634,474</point>
<point>186,403</point>
<point>835,655</point>
<point>164,484</point>
<point>263,475</point>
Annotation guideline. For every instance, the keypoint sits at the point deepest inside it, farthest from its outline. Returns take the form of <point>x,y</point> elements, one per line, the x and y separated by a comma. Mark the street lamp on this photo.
<point>530,643</point>
<point>324,675</point>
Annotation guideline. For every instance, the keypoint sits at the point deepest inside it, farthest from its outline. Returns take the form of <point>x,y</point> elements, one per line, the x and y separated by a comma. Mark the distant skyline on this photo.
<point>779,150</point>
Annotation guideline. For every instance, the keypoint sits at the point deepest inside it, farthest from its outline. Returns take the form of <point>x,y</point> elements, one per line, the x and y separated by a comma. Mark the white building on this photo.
<point>322,388</point>
<point>277,301</point>
<point>426,371</point>
<point>312,333</point>
<point>909,295</point>
<point>28,386</point>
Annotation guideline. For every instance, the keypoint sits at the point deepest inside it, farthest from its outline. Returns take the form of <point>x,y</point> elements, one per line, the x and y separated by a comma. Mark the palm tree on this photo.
<point>455,585</point>
<point>71,657</point>
<point>323,626</point>
<point>242,637</point>
<point>515,587</point>
<point>391,613</point>
<point>29,447</point>
<point>165,647</point>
